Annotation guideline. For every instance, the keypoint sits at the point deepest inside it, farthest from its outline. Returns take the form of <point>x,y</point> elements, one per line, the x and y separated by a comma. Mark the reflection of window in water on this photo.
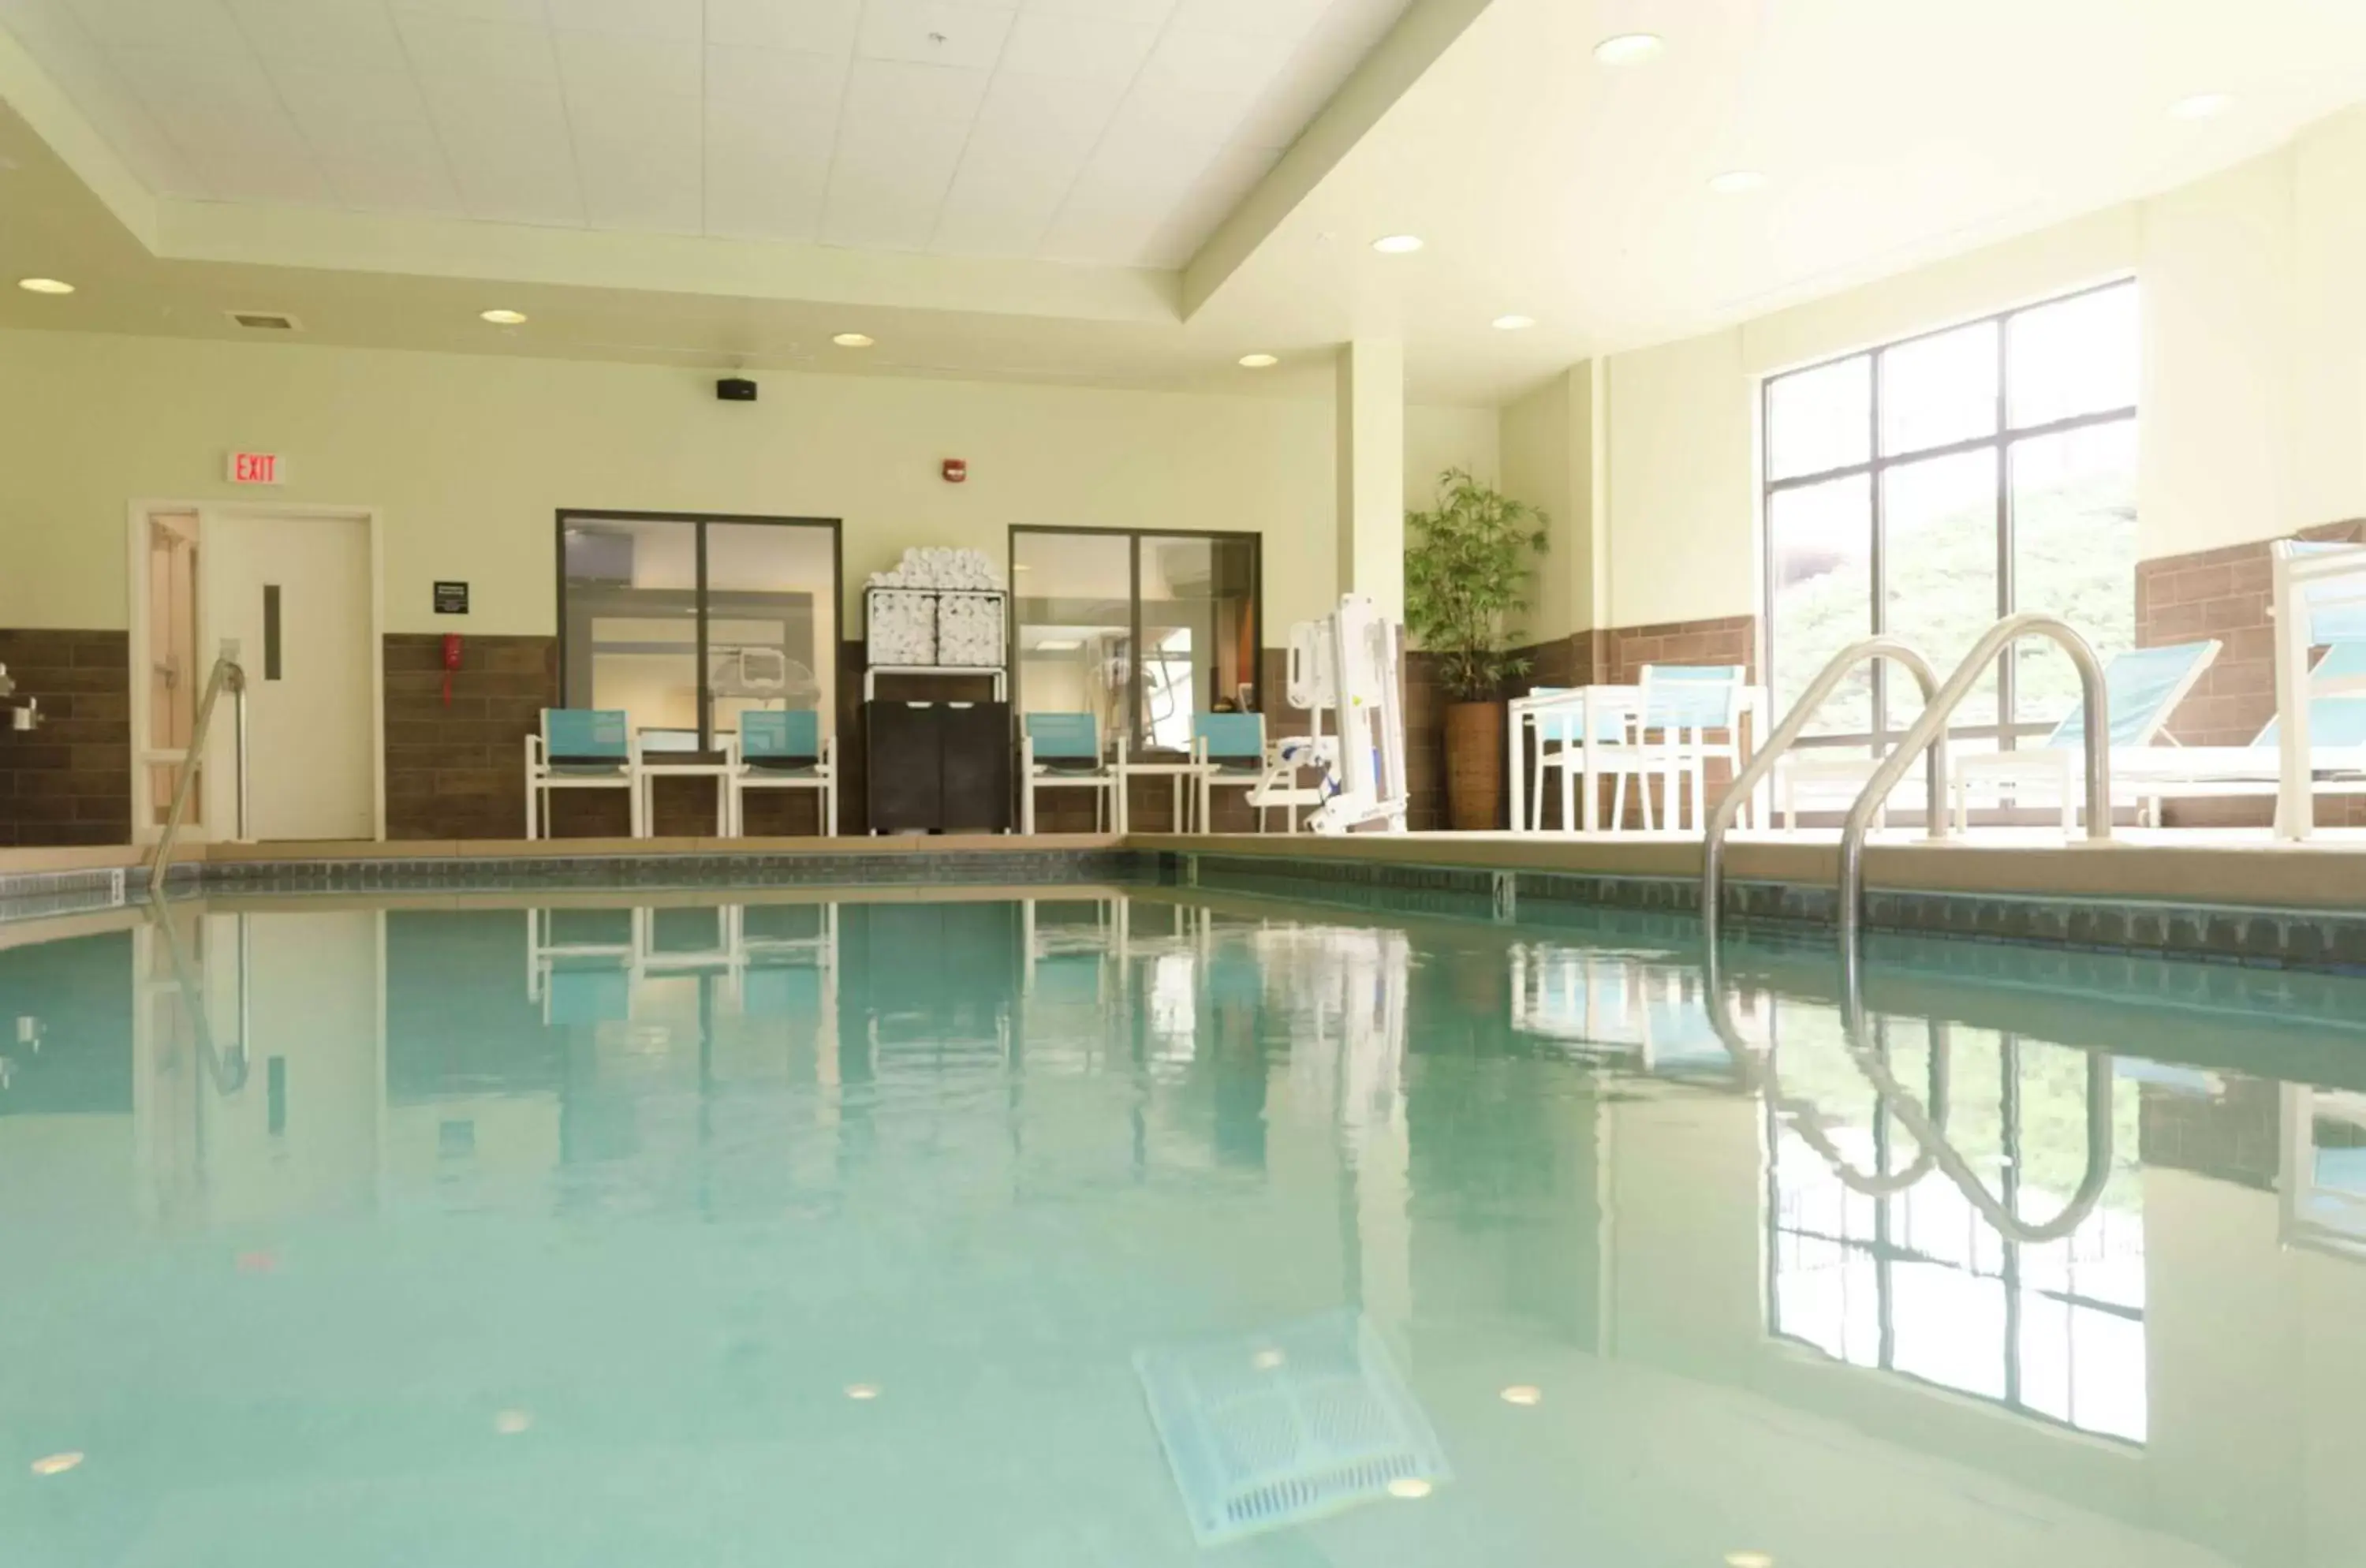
<point>2324,1179</point>
<point>1918,1283</point>
<point>1174,1014</point>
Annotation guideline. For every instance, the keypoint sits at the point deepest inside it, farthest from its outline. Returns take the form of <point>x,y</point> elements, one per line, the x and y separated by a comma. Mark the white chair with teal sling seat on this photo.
<point>2336,757</point>
<point>2143,686</point>
<point>1063,751</point>
<point>581,749</point>
<point>1560,744</point>
<point>783,751</point>
<point>1228,751</point>
<point>1686,716</point>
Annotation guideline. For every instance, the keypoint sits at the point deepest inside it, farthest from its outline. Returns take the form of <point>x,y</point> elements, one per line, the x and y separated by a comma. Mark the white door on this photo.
<point>294,592</point>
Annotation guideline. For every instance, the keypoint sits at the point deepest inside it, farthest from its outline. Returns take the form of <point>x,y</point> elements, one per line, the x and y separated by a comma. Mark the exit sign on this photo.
<point>256,468</point>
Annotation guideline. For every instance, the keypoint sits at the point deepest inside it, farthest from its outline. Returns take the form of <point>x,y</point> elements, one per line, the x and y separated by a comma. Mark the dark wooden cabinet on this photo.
<point>937,767</point>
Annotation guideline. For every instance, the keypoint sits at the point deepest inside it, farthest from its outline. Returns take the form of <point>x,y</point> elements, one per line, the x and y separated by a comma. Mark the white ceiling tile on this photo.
<point>1025,182</point>
<point>642,165</point>
<point>641,19</point>
<point>929,32</point>
<point>875,220</point>
<point>1152,115</point>
<point>777,76</point>
<point>1078,49</point>
<point>993,228</point>
<point>390,166</point>
<point>1099,238</point>
<point>510,150</point>
<point>529,13</point>
<point>167,26</point>
<point>891,90</point>
<point>460,50</point>
<point>1234,64</point>
<point>1151,11</point>
<point>596,66</point>
<point>767,170</point>
<point>349,34</point>
<point>1029,113</point>
<point>824,27</point>
<point>911,157</point>
<point>1129,169</point>
<point>335,103</point>
<point>1275,18</point>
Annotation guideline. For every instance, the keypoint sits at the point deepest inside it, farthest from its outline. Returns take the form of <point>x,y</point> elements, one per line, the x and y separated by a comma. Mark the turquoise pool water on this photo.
<point>1147,1226</point>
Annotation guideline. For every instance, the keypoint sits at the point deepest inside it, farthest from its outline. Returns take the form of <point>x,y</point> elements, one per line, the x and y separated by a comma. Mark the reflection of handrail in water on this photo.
<point>1878,1185</point>
<point>226,1081</point>
<point>1920,1125</point>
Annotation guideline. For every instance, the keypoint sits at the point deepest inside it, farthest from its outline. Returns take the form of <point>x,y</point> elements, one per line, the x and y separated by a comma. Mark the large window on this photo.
<point>1086,600</point>
<point>687,622</point>
<point>1928,487</point>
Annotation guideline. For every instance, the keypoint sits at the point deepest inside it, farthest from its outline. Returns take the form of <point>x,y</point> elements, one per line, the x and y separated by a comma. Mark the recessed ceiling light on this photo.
<point>1749,1560</point>
<point>860,1391</point>
<point>2202,106</point>
<point>510,1423</point>
<point>1267,1359</point>
<point>1514,323</point>
<point>44,286</point>
<point>1409,1487</point>
<point>56,1464</point>
<point>505,318</point>
<point>1523,1393</point>
<point>1258,361</point>
<point>1629,49</point>
<point>1397,244</point>
<point>853,339</point>
<point>1737,182</point>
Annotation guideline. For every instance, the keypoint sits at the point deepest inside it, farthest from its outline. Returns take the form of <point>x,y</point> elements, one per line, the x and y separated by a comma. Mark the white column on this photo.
<point>1370,439</point>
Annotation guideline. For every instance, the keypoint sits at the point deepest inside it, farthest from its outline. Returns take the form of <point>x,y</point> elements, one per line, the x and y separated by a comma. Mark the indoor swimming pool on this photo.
<point>1154,1226</point>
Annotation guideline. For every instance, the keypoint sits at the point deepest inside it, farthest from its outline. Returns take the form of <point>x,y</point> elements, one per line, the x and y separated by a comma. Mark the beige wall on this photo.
<point>1547,448</point>
<point>2254,392</point>
<point>471,458</point>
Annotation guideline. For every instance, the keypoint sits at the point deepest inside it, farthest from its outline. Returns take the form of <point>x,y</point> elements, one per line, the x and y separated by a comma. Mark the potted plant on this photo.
<point>1467,565</point>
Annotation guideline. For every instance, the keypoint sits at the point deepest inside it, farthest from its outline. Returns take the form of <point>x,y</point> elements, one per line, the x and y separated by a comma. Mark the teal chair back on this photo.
<point>2143,687</point>
<point>1230,736</point>
<point>1562,728</point>
<point>1691,696</point>
<point>1065,736</point>
<point>2338,721</point>
<point>2336,610</point>
<point>586,735</point>
<point>777,737</point>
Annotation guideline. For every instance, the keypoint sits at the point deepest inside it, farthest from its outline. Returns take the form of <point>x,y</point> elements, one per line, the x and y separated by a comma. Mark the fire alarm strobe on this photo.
<point>956,470</point>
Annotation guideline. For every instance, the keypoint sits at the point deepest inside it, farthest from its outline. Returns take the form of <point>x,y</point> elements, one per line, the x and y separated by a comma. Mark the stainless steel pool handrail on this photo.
<point>226,673</point>
<point>1795,723</point>
<point>1933,723</point>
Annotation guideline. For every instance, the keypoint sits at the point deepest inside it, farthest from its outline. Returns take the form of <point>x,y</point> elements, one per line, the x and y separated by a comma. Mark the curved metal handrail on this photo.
<point>226,675</point>
<point>1795,723</point>
<point>1933,723</point>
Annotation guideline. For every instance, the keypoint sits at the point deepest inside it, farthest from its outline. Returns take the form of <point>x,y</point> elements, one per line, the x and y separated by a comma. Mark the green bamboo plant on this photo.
<point>1466,577</point>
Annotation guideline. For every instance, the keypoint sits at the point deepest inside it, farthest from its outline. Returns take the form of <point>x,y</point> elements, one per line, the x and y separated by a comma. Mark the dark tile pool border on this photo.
<point>2266,938</point>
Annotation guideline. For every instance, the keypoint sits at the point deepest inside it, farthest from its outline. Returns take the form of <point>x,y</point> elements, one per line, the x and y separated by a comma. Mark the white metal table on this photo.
<point>663,756</point>
<point>1591,708</point>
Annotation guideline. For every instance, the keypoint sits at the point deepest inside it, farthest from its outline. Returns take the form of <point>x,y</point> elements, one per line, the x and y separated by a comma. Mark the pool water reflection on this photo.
<point>1144,1226</point>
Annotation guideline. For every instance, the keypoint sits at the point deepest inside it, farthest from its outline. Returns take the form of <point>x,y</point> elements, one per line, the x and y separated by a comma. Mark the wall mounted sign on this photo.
<point>451,598</point>
<point>258,468</point>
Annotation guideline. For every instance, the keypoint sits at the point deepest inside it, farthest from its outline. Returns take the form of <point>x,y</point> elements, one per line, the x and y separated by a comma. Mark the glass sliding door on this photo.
<point>685,622</point>
<point>1142,630</point>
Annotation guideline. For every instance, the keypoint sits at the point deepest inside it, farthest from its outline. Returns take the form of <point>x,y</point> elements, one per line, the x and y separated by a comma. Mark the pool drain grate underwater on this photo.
<point>1268,1430</point>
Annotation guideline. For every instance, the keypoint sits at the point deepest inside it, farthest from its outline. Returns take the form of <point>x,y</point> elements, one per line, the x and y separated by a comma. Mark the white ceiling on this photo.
<point>1109,131</point>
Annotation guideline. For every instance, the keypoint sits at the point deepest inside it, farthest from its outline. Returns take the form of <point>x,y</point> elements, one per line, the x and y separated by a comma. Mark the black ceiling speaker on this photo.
<point>736,389</point>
